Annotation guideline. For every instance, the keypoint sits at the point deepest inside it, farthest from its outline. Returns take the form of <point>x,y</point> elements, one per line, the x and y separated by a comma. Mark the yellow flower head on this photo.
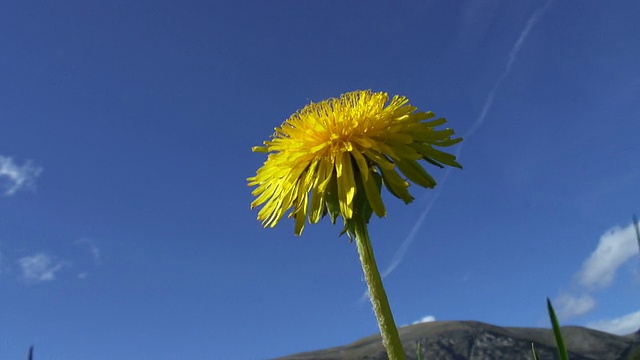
<point>332,157</point>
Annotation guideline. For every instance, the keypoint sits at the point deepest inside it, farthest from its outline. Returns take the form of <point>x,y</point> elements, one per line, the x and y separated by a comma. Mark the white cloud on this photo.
<point>616,246</point>
<point>428,318</point>
<point>39,267</point>
<point>567,306</point>
<point>624,325</point>
<point>14,178</point>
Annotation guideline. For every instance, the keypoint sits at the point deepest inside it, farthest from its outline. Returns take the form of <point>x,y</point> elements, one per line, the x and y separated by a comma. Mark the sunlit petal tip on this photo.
<point>260,149</point>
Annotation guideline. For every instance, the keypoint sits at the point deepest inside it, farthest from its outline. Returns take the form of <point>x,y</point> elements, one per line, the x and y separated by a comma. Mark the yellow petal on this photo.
<point>362,163</point>
<point>415,173</point>
<point>346,184</point>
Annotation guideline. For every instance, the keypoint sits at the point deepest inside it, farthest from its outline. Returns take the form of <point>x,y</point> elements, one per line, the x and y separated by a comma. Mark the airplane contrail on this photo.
<point>512,58</point>
<point>398,257</point>
<point>635,224</point>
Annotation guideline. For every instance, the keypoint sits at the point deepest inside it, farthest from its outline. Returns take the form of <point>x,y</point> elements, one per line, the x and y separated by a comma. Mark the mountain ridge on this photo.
<point>473,340</point>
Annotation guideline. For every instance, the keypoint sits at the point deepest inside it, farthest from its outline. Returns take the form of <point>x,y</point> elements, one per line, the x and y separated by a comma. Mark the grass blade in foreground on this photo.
<point>562,350</point>
<point>534,352</point>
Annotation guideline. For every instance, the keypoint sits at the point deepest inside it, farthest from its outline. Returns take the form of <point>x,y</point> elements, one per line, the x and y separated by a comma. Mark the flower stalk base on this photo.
<point>379,301</point>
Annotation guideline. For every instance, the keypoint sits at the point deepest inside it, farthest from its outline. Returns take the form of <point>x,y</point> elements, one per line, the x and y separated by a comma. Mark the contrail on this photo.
<point>512,58</point>
<point>399,255</point>
<point>635,224</point>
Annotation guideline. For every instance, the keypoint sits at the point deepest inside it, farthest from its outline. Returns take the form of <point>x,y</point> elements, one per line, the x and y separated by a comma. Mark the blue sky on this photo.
<point>125,137</point>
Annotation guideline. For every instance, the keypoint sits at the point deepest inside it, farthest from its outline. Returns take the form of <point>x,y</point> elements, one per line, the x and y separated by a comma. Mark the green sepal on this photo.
<point>362,210</point>
<point>332,200</point>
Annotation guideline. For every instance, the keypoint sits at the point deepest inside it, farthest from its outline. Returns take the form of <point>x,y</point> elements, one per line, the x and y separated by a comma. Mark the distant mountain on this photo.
<point>471,340</point>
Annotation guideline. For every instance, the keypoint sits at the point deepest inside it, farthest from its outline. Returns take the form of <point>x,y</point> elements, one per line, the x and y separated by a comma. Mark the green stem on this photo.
<point>388,330</point>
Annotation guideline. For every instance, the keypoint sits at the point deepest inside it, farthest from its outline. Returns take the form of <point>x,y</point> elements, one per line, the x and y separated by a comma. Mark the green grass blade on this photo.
<point>562,350</point>
<point>419,355</point>
<point>534,352</point>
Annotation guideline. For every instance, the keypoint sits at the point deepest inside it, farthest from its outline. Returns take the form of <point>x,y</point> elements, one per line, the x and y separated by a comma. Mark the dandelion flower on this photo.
<point>326,154</point>
<point>332,157</point>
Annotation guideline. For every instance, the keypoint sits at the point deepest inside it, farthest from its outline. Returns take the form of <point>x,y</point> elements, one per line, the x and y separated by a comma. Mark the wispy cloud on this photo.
<point>568,306</point>
<point>399,255</point>
<point>14,178</point>
<point>624,325</point>
<point>40,267</point>
<point>428,318</point>
<point>515,49</point>
<point>616,246</point>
